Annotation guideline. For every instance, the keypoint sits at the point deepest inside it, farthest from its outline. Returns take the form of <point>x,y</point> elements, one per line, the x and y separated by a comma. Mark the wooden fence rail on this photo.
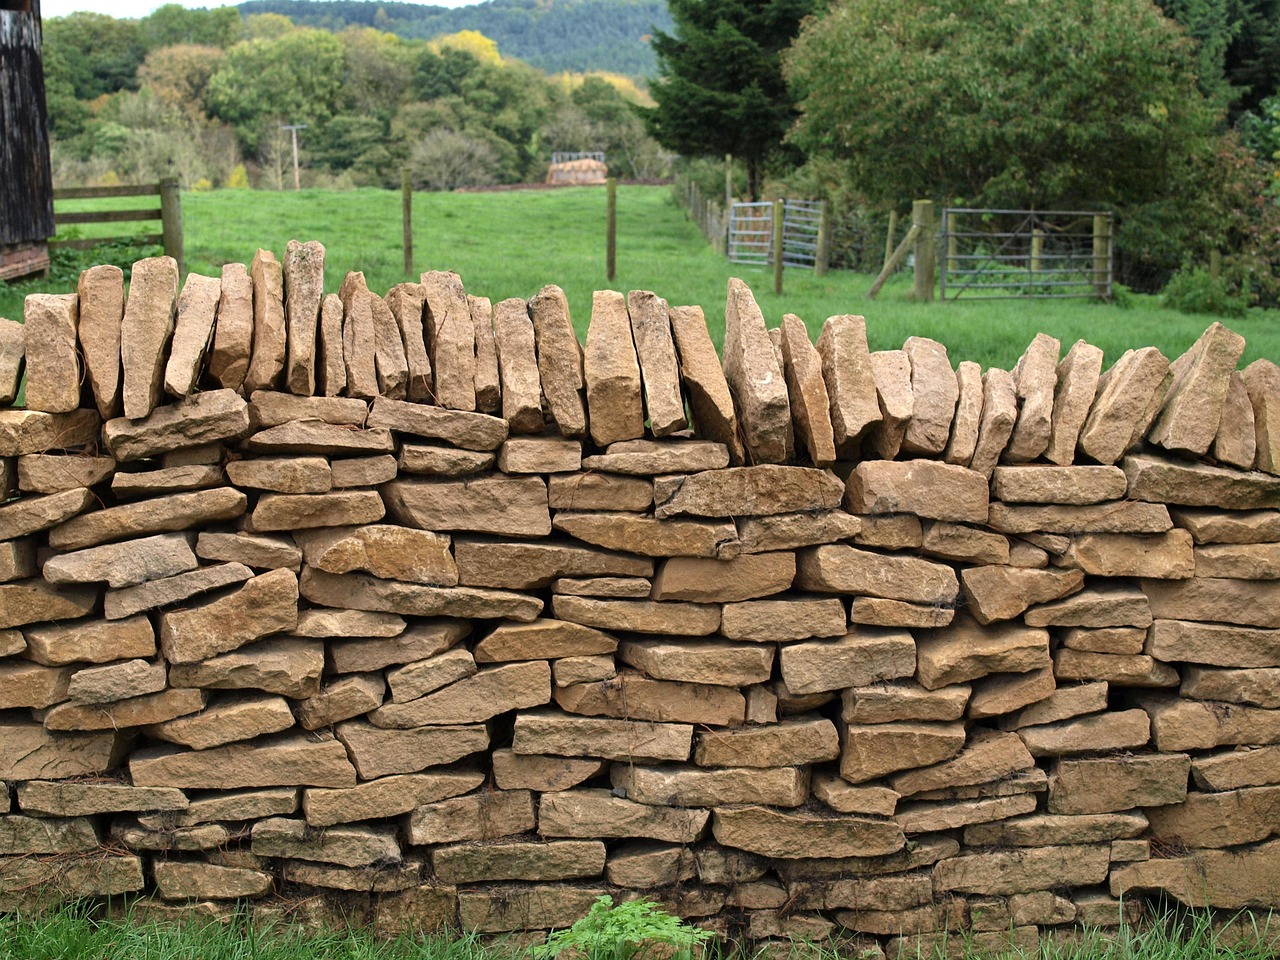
<point>168,213</point>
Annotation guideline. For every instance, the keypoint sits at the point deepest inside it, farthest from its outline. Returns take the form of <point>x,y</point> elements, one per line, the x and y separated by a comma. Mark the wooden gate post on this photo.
<point>778,210</point>
<point>926,250</point>
<point>611,229</point>
<point>1102,255</point>
<point>171,221</point>
<point>406,203</point>
<point>1037,252</point>
<point>888,237</point>
<point>823,253</point>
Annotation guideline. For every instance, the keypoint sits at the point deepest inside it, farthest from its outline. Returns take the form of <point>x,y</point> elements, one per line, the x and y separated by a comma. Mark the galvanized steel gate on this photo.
<point>751,232</point>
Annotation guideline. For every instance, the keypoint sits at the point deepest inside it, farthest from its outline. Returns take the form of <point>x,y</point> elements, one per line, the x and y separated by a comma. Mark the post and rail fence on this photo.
<point>168,214</point>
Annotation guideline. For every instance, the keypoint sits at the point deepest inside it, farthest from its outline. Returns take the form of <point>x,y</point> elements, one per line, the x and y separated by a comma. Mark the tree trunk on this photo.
<point>753,178</point>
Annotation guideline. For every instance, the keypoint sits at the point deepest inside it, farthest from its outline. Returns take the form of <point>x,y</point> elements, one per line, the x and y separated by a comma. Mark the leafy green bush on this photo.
<point>1195,290</point>
<point>624,931</point>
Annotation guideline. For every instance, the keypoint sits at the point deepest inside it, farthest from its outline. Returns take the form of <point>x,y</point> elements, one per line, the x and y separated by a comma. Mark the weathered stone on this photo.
<point>877,611</point>
<point>649,536</point>
<point>518,367</point>
<point>196,309</point>
<point>292,475</point>
<point>864,656</point>
<point>891,372</point>
<point>442,461</point>
<point>1167,556</point>
<point>953,541</point>
<point>1002,592</point>
<point>1245,602</point>
<point>557,860</point>
<point>539,455</point>
<point>810,402</point>
<point>1118,640</point>
<point>542,640</point>
<point>1119,669</point>
<point>598,813</point>
<point>58,799</point>
<point>125,564</point>
<point>499,505</point>
<point>925,488</point>
<point>839,568</point>
<point>50,473</point>
<point>1199,725</point>
<point>359,337</point>
<point>1231,769</point>
<point>1245,561</point>
<point>28,515</point>
<point>1121,730</point>
<point>655,350</point>
<point>233,331</point>
<point>705,384</point>
<point>388,351</point>
<point>872,751</point>
<point>101,296</point>
<point>33,431</point>
<point>1236,442</point>
<point>359,591</point>
<point>117,681</point>
<point>562,735</point>
<point>965,651</point>
<point>1000,873</point>
<point>264,605</point>
<point>232,718</point>
<point>206,836</point>
<point>707,580</point>
<point>543,774</point>
<point>631,694</point>
<point>363,471</point>
<point>1229,879</point>
<point>208,417</point>
<point>1059,485</point>
<point>206,881</point>
<point>842,797</point>
<point>646,864</point>
<point>1256,688</point>
<point>345,846</point>
<point>159,593</point>
<point>1109,606</point>
<point>1200,485</point>
<point>1118,517</point>
<point>755,379</point>
<point>407,302</point>
<point>1078,375</point>
<point>12,642</point>
<point>421,677</point>
<point>488,693</point>
<point>789,530</point>
<point>642,616</point>
<point>92,640</point>
<point>485,815</point>
<point>28,751</point>
<point>1219,819</point>
<point>1192,409</point>
<point>13,338</point>
<point>559,360</point>
<point>987,756</point>
<point>286,511</point>
<point>528,907</point>
<point>788,835</point>
<point>903,700</point>
<point>315,437</point>
<point>926,817</point>
<point>999,414</point>
<point>1118,418</point>
<point>747,491</point>
<point>285,760</point>
<point>964,429</point>
<point>593,491</point>
<point>934,393</point>
<point>53,365</point>
<point>1035,379</point>
<point>386,551</point>
<point>269,408</point>
<point>650,457</point>
<point>522,566</point>
<point>488,379</point>
<point>700,662</point>
<point>25,684</point>
<point>1262,381</point>
<point>32,601</point>
<point>634,588</point>
<point>151,483</point>
<point>269,332</point>
<point>134,712</point>
<point>796,741</point>
<point>179,511</point>
<point>998,695</point>
<point>379,878</point>
<point>1025,554</point>
<point>422,640</point>
<point>693,787</point>
<point>386,797</point>
<point>32,836</point>
<point>379,753</point>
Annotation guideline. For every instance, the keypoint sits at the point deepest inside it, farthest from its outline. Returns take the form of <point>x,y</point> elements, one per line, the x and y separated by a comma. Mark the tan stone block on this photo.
<point>1236,442</point>
<point>25,684</point>
<point>31,601</point>
<point>390,360</point>
<point>704,380</point>
<point>1158,480</point>
<point>280,665</point>
<point>1117,640</point>
<point>557,860</point>
<point>965,651</point>
<point>52,473</point>
<point>1002,694</point>
<point>384,550</point>
<point>419,642</point>
<point>124,564</point>
<point>1251,561</point>
<point>1031,780</point>
<point>34,882</point>
<point>708,580</point>
<point>964,429</point>
<point>631,694</point>
<point>385,797</point>
<point>1129,396</point>
<point>342,699</point>
<point>1122,730</point>
<point>953,541</point>
<point>151,483</point>
<point>28,515</point>
<point>264,605</point>
<point>270,408</point>
<point>901,531</point>
<point>846,368</point>
<point>1078,375</point>
<point>1254,687</point>
<point>649,536</point>
<point>903,700</point>
<point>485,815</point>
<point>360,591</point>
<point>541,773</point>
<point>1236,526</point>
<point>522,566</point>
<point>755,379</point>
<point>206,881</point>
<point>284,511</point>
<point>363,471</point>
<point>1056,830</point>
<point>655,348</point>
<point>631,588</point>
<point>345,846</point>
<point>503,909</point>
<point>871,751</point>
<point>407,302</point>
<point>1218,819</point>
<point>999,414</point>
<point>863,657</point>
<point>697,787</point>
<point>101,307</point>
<point>197,307</point>
<point>1102,785</point>
<point>282,474</point>
<point>925,488</point>
<point>924,851</point>
<point>934,392</point>
<point>931,817</point>
<point>116,681</point>
<point>134,712</point>
<point>559,360</point>
<point>489,504</point>
<point>793,741</point>
<point>379,753</point>
<point>747,491</point>
<point>1262,381</point>
<point>29,751</point>
<point>517,366</point>
<point>1231,769</point>
<point>285,760</point>
<point>1200,725</point>
<point>1229,879</point>
<point>646,864</point>
<point>1119,517</point>
<point>792,618</point>
<point>34,431</point>
<point>562,735</point>
<point>591,491</point>
<point>1121,670</point>
<point>810,402</point>
<point>987,756</point>
<point>487,694</point>
<point>450,339</point>
<point>1249,603</point>
<point>229,806</point>
<point>266,364</point>
<point>1077,485</point>
<point>839,568</point>
<point>58,799</point>
<point>641,616</point>
<point>542,640</point>
<point>1002,592</point>
<point>417,679</point>
<point>786,531</point>
<point>179,511</point>
<point>700,662</point>
<point>1188,421</point>
<point>776,834</point>
<point>325,624</point>
<point>1113,605</point>
<point>488,378</point>
<point>843,797</point>
<point>1021,871</point>
<point>313,436</point>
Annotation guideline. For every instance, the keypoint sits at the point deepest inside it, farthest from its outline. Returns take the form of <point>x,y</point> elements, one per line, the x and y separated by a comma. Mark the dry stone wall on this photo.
<point>412,610</point>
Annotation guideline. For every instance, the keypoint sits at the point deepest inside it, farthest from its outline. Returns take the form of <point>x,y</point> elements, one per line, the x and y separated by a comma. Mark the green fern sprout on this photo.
<point>624,932</point>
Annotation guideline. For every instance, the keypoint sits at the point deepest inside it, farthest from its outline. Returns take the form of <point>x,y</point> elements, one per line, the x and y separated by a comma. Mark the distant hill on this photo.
<point>553,35</point>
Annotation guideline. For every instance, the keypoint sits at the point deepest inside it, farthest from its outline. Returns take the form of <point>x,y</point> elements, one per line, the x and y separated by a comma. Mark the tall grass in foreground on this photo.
<point>72,933</point>
<point>511,243</point>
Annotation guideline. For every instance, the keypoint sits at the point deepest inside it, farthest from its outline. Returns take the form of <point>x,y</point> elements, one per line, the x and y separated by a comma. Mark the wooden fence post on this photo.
<point>611,229</point>
<point>171,221</point>
<point>926,250</point>
<point>888,237</point>
<point>822,254</point>
<point>406,202</point>
<point>778,211</point>
<point>1102,255</point>
<point>1037,252</point>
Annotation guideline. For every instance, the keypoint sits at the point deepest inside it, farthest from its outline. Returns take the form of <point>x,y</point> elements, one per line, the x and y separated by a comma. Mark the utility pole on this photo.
<point>293,128</point>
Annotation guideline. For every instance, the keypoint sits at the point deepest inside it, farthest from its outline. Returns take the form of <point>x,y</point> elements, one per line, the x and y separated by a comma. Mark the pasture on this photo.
<point>511,243</point>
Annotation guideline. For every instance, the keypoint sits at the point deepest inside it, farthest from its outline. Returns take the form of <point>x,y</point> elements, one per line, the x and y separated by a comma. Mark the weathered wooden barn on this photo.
<point>26,179</point>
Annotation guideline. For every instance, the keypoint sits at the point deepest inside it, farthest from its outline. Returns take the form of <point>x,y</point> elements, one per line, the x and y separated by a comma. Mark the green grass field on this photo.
<point>511,243</point>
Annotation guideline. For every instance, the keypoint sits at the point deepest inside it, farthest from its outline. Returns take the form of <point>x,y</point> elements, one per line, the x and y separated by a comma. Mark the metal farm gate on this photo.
<point>1005,254</point>
<point>751,232</point>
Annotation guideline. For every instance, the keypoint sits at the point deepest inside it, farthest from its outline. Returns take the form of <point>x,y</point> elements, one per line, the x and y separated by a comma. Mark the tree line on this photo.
<point>206,94</point>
